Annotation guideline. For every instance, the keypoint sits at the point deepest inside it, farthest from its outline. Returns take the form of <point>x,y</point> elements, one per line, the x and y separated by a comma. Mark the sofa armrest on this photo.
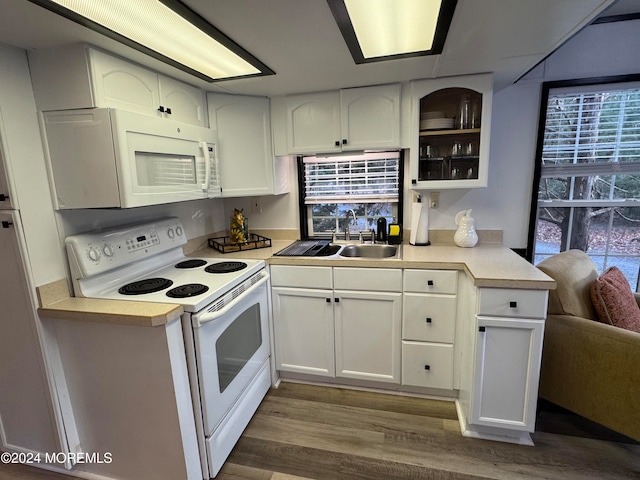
<point>592,369</point>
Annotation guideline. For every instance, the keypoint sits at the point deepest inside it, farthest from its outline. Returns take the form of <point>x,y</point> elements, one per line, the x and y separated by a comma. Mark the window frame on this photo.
<point>303,207</point>
<point>547,87</point>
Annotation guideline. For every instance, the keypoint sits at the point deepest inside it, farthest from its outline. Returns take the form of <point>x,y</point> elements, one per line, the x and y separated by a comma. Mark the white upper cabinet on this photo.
<point>247,163</point>
<point>78,76</point>
<point>350,119</point>
<point>450,131</point>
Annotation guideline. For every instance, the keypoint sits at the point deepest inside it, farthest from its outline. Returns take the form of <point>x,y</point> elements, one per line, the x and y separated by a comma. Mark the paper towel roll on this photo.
<point>416,210</point>
<point>419,224</point>
<point>422,236</point>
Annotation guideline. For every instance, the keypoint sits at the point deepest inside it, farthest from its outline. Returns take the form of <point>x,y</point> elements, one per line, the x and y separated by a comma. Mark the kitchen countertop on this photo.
<point>489,265</point>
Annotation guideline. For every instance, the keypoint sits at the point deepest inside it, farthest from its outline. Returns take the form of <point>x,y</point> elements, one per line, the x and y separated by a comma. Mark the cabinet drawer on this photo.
<point>512,302</point>
<point>430,318</point>
<point>427,365</point>
<point>301,277</point>
<point>430,281</point>
<point>369,279</point>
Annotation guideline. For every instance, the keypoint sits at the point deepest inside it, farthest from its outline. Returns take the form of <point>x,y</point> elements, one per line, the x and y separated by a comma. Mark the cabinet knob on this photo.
<point>344,141</point>
<point>337,300</point>
<point>428,320</point>
<point>161,109</point>
<point>3,197</point>
<point>168,110</point>
<point>481,329</point>
<point>430,283</point>
<point>6,224</point>
<point>328,300</point>
<point>427,367</point>
<point>414,181</point>
<point>337,143</point>
<point>513,304</point>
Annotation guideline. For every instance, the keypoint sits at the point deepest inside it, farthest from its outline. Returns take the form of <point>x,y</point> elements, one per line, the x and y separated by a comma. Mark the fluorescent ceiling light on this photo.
<point>376,30</point>
<point>167,30</point>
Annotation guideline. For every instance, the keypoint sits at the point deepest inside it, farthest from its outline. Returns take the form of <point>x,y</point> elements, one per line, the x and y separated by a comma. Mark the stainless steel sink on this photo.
<point>369,251</point>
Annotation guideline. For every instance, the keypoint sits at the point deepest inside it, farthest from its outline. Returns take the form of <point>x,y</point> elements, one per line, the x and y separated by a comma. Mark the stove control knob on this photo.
<point>179,231</point>
<point>94,254</point>
<point>108,251</point>
<point>171,233</point>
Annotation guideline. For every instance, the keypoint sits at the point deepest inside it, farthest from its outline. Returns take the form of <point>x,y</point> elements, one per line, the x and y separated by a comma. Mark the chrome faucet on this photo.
<point>347,235</point>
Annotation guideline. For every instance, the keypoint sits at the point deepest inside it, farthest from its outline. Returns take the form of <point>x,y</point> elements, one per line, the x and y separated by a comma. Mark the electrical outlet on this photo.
<point>434,199</point>
<point>256,205</point>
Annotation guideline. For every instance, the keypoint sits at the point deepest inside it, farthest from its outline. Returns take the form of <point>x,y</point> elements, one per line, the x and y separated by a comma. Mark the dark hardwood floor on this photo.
<point>320,433</point>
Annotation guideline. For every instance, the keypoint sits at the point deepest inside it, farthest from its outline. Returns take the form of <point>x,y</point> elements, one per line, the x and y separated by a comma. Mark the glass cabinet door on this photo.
<point>451,119</point>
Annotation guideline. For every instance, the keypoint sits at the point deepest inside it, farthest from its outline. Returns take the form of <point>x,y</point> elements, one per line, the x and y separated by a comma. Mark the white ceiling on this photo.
<point>300,41</point>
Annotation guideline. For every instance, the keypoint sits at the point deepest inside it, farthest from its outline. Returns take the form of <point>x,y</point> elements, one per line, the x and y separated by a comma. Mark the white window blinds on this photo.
<point>368,178</point>
<point>592,132</point>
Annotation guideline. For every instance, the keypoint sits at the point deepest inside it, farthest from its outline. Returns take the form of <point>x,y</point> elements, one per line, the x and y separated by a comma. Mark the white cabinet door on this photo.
<point>506,373</point>
<point>368,335</point>
<point>25,403</point>
<point>313,123</point>
<point>120,84</point>
<point>303,330</point>
<point>244,132</point>
<point>185,103</point>
<point>370,117</point>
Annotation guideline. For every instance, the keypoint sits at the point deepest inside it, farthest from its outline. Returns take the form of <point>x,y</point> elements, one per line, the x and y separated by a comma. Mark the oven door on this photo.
<point>231,344</point>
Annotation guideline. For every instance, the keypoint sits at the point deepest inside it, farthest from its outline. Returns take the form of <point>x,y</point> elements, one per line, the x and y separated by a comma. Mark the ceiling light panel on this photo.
<point>385,27</point>
<point>377,30</point>
<point>153,25</point>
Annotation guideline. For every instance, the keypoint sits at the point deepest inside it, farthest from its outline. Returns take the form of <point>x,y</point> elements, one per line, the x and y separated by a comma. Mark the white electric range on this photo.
<point>225,324</point>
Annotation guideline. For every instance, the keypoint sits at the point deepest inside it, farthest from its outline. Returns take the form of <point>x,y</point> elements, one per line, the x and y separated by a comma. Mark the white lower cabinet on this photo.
<point>506,372</point>
<point>506,341</point>
<point>351,333</point>
<point>303,330</point>
<point>428,328</point>
<point>367,327</point>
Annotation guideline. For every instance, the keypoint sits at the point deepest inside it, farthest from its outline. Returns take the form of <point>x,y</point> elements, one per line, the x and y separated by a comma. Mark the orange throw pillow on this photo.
<point>614,301</point>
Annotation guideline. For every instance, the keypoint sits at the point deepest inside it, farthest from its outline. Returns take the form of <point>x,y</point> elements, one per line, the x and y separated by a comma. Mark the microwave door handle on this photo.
<point>209,316</point>
<point>207,164</point>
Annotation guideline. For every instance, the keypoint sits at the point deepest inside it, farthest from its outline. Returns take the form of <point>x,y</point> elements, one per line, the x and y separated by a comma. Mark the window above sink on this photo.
<point>358,189</point>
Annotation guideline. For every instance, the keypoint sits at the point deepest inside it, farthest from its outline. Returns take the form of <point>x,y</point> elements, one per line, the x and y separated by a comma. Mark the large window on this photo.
<point>589,183</point>
<point>365,186</point>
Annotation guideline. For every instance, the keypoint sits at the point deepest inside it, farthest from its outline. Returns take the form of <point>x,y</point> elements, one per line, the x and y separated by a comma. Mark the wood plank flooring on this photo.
<point>305,432</point>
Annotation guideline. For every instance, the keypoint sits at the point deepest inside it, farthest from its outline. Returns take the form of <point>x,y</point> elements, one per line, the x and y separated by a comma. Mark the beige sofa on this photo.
<point>588,367</point>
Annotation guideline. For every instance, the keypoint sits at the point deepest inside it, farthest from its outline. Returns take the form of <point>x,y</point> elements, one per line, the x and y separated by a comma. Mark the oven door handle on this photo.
<point>210,316</point>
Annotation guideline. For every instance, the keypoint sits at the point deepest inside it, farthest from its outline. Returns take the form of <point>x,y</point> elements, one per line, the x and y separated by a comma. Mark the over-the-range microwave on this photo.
<point>110,158</point>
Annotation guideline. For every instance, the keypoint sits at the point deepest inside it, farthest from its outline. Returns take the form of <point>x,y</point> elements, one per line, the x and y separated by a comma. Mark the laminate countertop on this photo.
<point>489,265</point>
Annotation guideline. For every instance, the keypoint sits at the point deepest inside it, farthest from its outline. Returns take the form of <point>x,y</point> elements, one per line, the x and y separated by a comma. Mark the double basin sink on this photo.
<point>324,249</point>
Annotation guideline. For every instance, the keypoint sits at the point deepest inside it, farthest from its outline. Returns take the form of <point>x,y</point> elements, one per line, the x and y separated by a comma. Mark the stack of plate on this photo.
<point>436,123</point>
